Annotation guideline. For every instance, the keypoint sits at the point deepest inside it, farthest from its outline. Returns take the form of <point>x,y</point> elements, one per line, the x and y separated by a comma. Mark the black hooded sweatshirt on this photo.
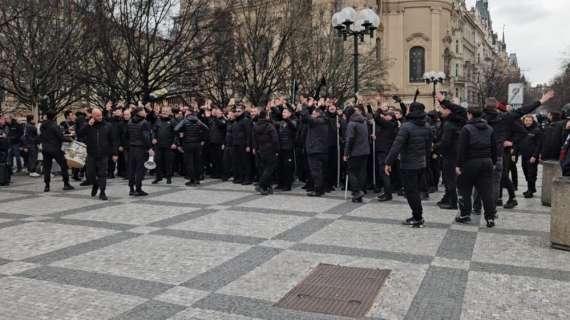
<point>476,141</point>
<point>413,143</point>
<point>357,143</point>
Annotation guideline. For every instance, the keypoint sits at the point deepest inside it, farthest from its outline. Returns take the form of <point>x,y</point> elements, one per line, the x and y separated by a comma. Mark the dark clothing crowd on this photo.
<point>400,150</point>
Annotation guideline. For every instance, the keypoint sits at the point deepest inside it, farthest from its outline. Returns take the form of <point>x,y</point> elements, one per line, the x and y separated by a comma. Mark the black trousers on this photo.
<point>193,161</point>
<point>435,168</point>
<point>477,173</point>
<point>412,179</point>
<point>317,165</point>
<point>530,172</point>
<point>505,180</point>
<point>216,159</point>
<point>164,158</point>
<point>357,173</point>
<point>228,163</point>
<point>331,174</point>
<point>450,179</point>
<point>137,157</point>
<point>286,168</point>
<point>98,170</point>
<point>59,157</point>
<point>242,164</point>
<point>267,162</point>
<point>386,180</point>
<point>122,164</point>
<point>32,159</point>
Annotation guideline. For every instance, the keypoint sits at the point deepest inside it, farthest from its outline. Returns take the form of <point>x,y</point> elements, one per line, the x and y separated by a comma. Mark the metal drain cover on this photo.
<point>336,290</point>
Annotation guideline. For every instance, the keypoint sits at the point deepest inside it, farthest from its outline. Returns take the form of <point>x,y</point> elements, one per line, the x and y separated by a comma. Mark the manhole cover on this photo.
<point>336,290</point>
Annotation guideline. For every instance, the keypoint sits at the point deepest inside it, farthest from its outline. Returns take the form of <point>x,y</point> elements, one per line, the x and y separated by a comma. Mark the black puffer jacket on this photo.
<point>450,130</point>
<point>228,140</point>
<point>476,141</point>
<point>317,134</point>
<point>139,133</point>
<point>501,122</point>
<point>552,140</point>
<point>163,132</point>
<point>531,143</point>
<point>217,130</point>
<point>287,133</point>
<point>101,139</point>
<point>386,132</point>
<point>51,137</point>
<point>357,142</point>
<point>194,130</point>
<point>413,143</point>
<point>30,138</point>
<point>241,131</point>
<point>265,139</point>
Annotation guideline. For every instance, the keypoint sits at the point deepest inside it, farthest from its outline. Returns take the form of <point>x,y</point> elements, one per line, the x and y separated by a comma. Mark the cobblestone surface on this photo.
<point>220,251</point>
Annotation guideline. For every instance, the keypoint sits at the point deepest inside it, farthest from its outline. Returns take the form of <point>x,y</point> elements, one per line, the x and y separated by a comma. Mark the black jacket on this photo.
<point>287,133</point>
<point>241,131</point>
<point>30,137</point>
<point>501,122</point>
<point>476,141</point>
<point>413,143</point>
<point>51,137</point>
<point>4,143</point>
<point>16,131</point>
<point>317,134</point>
<point>193,130</point>
<point>552,140</point>
<point>333,131</point>
<point>163,132</point>
<point>101,139</point>
<point>139,133</point>
<point>217,133</point>
<point>447,145</point>
<point>531,143</point>
<point>265,138</point>
<point>386,132</point>
<point>228,140</point>
<point>357,142</point>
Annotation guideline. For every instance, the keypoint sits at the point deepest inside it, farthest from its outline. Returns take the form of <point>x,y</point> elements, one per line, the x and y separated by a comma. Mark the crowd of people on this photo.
<point>362,147</point>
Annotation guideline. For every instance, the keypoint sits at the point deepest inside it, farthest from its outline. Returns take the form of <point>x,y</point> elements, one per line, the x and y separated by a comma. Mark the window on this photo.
<point>417,64</point>
<point>457,70</point>
<point>456,46</point>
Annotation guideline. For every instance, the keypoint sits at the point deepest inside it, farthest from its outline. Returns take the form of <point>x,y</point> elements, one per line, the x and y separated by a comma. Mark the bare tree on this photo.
<point>493,81</point>
<point>144,46</point>
<point>42,52</point>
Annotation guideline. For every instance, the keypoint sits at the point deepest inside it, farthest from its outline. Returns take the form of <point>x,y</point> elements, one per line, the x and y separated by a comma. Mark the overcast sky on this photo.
<point>538,31</point>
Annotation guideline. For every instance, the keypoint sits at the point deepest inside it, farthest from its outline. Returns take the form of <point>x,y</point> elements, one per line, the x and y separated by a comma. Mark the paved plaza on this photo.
<point>221,251</point>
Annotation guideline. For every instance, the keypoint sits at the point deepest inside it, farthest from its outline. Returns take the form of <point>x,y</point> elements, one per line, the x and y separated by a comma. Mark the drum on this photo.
<point>75,154</point>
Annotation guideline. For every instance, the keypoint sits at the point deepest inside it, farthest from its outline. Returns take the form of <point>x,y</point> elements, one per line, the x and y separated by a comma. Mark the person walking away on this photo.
<point>51,137</point>
<point>102,144</point>
<point>357,150</point>
<point>265,147</point>
<point>139,137</point>
<point>413,144</point>
<point>476,158</point>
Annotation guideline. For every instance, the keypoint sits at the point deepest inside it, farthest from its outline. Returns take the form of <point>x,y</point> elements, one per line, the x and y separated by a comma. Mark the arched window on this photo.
<point>417,64</point>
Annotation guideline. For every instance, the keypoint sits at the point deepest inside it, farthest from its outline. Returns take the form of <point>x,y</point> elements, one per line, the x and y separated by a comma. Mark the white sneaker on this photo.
<point>34,174</point>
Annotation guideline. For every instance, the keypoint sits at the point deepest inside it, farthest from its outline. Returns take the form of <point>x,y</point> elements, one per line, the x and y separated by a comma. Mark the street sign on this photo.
<point>516,94</point>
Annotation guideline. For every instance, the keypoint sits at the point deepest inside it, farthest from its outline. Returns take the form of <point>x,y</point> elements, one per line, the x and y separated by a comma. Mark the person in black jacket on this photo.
<point>5,169</point>
<point>454,117</point>
<point>287,131</point>
<point>15,133</point>
<point>553,137</point>
<point>194,134</point>
<point>165,142</point>
<point>386,132</point>
<point>335,123</point>
<point>529,149</point>
<point>102,143</point>
<point>241,146</point>
<point>217,125</point>
<point>116,121</point>
<point>357,150</point>
<point>265,147</point>
<point>51,137</point>
<point>139,137</point>
<point>30,141</point>
<point>414,144</point>
<point>316,146</point>
<point>476,156</point>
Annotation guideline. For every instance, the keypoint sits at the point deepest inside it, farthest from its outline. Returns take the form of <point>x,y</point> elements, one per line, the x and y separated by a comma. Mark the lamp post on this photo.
<point>348,22</point>
<point>434,77</point>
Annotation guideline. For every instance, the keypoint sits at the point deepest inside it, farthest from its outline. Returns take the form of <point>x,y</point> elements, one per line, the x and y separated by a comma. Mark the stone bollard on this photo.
<point>550,170</point>
<point>560,214</point>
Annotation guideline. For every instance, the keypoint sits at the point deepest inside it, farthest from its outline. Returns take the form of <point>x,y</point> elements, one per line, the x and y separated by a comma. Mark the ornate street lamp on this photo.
<point>348,22</point>
<point>434,77</point>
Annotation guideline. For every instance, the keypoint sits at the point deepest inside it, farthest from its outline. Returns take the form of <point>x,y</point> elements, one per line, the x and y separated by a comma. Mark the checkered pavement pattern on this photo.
<point>220,251</point>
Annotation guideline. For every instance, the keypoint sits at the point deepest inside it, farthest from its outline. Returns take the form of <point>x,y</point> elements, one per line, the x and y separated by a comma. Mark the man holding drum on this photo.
<point>102,142</point>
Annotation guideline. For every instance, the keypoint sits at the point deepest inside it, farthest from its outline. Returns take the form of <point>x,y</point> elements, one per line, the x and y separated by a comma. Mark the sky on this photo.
<point>538,31</point>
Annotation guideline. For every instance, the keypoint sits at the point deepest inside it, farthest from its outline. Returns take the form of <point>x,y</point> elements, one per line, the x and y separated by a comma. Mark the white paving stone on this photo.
<point>284,202</point>
<point>45,205</point>
<point>198,196</point>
